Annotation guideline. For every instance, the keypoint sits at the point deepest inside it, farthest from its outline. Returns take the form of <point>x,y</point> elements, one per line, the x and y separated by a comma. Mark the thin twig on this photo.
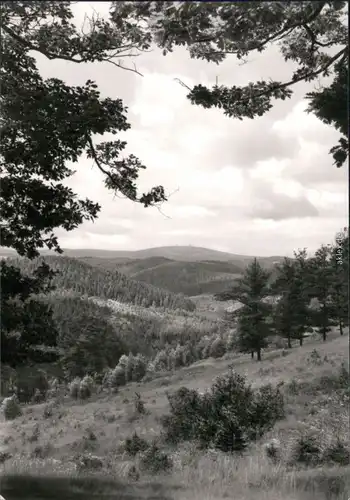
<point>183,84</point>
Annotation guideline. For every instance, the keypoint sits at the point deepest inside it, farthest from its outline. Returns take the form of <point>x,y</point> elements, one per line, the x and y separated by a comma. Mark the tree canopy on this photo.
<point>314,35</point>
<point>47,124</point>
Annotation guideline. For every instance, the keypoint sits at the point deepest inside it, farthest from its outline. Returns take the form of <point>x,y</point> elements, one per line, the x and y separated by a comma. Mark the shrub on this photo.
<point>86,387</point>
<point>217,348</point>
<point>268,406</point>
<point>203,347</point>
<point>132,473</point>
<point>226,417</point>
<point>74,387</point>
<point>116,377</point>
<point>273,450</point>
<point>139,368</point>
<point>42,451</point>
<point>161,361</point>
<point>139,405</point>
<point>177,357</point>
<point>337,453</point>
<point>307,451</point>
<point>185,405</point>
<point>4,455</point>
<point>89,462</point>
<point>154,460</point>
<point>129,365</point>
<point>314,358</point>
<point>11,408</point>
<point>135,444</point>
<point>38,397</point>
<point>35,434</point>
<point>48,410</point>
<point>231,341</point>
<point>30,381</point>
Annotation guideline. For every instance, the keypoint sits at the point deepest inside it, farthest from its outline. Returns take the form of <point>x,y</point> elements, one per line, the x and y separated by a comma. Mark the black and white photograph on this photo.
<point>174,250</point>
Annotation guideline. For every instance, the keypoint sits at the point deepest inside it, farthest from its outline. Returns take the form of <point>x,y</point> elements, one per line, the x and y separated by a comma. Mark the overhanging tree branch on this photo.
<point>71,58</point>
<point>303,77</point>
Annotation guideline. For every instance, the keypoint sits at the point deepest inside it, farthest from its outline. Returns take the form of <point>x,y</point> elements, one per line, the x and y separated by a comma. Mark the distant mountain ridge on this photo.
<point>178,269</point>
<point>180,253</point>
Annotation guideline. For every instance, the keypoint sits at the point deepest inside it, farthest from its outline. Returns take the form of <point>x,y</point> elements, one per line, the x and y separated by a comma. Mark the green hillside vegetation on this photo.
<point>192,277</point>
<point>88,280</point>
<point>111,445</point>
<point>189,278</point>
<point>134,266</point>
<point>186,277</point>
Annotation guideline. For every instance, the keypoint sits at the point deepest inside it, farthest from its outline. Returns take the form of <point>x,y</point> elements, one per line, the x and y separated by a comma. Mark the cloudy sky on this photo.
<point>258,187</point>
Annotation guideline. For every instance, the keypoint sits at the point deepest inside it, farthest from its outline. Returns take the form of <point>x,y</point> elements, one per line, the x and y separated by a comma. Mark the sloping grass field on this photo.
<point>42,447</point>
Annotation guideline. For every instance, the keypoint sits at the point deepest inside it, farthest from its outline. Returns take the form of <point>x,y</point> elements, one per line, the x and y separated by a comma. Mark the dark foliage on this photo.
<point>227,417</point>
<point>28,331</point>
<point>72,274</point>
<point>304,32</point>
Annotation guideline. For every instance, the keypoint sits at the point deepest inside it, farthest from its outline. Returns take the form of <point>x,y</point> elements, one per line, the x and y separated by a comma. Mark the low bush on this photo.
<point>273,450</point>
<point>227,417</point>
<point>86,387</point>
<point>154,460</point>
<point>81,389</point>
<point>217,348</point>
<point>135,444</point>
<point>10,407</point>
<point>307,451</point>
<point>337,453</point>
<point>74,388</point>
<point>139,405</point>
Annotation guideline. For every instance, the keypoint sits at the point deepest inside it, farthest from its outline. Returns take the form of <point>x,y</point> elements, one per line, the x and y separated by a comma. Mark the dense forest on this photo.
<point>190,277</point>
<point>88,280</point>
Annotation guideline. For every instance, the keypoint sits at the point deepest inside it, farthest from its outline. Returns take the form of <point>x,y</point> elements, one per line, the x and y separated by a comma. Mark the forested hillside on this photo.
<point>88,280</point>
<point>189,278</point>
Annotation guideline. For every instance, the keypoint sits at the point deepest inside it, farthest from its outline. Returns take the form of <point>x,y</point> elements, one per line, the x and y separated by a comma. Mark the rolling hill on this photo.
<point>178,269</point>
<point>179,253</point>
<point>88,280</point>
<point>189,278</point>
<point>179,276</point>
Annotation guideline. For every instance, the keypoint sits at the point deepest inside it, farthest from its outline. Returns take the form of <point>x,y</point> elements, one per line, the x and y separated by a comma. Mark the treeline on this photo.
<point>307,292</point>
<point>72,274</point>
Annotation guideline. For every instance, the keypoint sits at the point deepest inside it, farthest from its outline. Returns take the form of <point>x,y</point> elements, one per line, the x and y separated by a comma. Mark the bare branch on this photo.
<point>183,84</point>
<point>119,65</point>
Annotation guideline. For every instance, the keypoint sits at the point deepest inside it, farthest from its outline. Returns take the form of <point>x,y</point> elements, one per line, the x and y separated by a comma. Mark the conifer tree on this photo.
<point>253,317</point>
<point>322,276</point>
<point>291,315</point>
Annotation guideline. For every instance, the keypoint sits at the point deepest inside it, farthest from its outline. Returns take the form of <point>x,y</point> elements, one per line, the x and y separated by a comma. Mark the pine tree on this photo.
<point>291,315</point>
<point>253,317</point>
<point>322,285</point>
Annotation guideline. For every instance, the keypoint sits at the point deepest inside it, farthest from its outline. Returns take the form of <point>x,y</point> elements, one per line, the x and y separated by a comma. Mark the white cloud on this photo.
<point>265,186</point>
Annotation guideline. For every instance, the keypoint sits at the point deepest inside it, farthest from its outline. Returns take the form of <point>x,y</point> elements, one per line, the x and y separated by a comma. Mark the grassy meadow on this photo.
<point>42,447</point>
